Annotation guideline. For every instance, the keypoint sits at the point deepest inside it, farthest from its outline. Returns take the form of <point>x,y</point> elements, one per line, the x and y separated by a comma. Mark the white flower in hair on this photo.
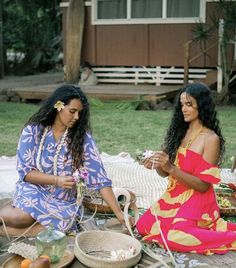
<point>59,105</point>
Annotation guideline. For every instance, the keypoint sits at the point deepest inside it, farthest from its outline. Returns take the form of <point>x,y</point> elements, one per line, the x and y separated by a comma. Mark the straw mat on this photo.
<point>121,169</point>
<point>146,184</point>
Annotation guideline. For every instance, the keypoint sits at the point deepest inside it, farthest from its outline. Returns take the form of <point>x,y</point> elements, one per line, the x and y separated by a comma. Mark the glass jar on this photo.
<point>51,242</point>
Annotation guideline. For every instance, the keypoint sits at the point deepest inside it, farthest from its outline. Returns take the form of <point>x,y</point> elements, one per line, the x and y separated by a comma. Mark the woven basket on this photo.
<point>230,211</point>
<point>100,208</point>
<point>103,241</point>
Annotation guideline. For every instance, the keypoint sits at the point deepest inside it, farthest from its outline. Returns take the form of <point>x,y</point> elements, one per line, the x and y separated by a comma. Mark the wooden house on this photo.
<point>147,41</point>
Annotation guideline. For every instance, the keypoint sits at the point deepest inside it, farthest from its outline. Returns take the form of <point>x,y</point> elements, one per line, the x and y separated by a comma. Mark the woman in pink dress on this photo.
<point>187,212</point>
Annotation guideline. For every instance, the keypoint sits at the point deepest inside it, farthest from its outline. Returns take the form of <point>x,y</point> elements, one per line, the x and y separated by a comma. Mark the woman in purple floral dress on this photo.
<point>55,144</point>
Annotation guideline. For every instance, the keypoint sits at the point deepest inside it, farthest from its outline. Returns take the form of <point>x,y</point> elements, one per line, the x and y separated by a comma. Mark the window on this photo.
<point>111,9</point>
<point>183,8</point>
<point>147,11</point>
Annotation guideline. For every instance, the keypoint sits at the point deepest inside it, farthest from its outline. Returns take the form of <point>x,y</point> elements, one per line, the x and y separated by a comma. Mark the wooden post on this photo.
<point>1,44</point>
<point>219,68</point>
<point>186,61</point>
<point>74,38</point>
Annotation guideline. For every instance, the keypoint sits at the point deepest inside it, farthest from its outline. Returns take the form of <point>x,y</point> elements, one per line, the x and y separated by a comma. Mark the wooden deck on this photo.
<point>38,87</point>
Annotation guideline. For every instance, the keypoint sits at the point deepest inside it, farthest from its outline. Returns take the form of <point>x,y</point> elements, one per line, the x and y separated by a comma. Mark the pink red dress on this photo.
<point>190,220</point>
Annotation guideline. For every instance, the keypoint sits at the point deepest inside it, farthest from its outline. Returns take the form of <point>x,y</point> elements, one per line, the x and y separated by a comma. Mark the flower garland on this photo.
<point>80,176</point>
<point>56,154</point>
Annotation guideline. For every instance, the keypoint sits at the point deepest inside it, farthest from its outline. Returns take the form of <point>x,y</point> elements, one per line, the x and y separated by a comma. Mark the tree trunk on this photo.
<point>1,43</point>
<point>74,37</point>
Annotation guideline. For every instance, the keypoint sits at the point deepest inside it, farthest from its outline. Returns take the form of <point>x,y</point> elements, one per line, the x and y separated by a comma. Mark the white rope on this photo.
<point>4,228</point>
<point>164,240</point>
<point>136,216</point>
<point>147,251</point>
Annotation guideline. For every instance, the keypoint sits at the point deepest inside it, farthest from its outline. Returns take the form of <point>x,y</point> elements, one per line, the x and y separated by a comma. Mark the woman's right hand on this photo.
<point>151,162</point>
<point>65,182</point>
<point>159,161</point>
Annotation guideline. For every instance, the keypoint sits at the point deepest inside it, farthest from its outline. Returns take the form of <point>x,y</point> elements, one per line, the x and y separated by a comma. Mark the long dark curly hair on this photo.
<point>207,115</point>
<point>47,113</point>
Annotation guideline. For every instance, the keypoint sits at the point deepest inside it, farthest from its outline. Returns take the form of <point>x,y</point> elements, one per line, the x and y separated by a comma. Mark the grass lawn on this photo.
<point>115,130</point>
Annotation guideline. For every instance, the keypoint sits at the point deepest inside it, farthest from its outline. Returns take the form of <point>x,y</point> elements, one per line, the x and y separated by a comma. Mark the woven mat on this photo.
<point>146,184</point>
<point>121,168</point>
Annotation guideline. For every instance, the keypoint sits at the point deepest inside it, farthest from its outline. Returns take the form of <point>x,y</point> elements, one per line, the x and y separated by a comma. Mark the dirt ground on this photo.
<point>10,82</point>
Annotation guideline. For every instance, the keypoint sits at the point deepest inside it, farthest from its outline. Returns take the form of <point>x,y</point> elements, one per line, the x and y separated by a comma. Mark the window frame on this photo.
<point>163,20</point>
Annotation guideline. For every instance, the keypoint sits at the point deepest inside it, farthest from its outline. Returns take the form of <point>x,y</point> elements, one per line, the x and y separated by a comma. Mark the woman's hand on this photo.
<point>131,221</point>
<point>152,162</point>
<point>159,160</point>
<point>163,161</point>
<point>65,182</point>
<point>121,219</point>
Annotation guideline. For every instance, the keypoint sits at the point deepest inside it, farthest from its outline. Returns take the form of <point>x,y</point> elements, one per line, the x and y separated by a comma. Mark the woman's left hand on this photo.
<point>132,221</point>
<point>163,160</point>
<point>122,220</point>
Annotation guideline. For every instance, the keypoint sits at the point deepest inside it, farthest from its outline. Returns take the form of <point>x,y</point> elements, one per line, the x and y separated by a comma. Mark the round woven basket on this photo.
<point>104,241</point>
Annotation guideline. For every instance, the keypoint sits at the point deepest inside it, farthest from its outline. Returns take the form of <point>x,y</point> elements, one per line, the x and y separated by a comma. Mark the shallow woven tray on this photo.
<point>15,261</point>
<point>97,241</point>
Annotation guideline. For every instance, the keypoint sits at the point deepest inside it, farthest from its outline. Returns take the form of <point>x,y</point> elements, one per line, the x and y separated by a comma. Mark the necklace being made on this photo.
<point>59,146</point>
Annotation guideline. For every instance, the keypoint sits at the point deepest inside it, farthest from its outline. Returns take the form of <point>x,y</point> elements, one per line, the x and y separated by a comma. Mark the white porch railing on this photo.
<point>147,75</point>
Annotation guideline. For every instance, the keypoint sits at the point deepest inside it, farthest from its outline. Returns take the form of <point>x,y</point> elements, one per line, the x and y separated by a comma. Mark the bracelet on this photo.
<point>172,170</point>
<point>56,181</point>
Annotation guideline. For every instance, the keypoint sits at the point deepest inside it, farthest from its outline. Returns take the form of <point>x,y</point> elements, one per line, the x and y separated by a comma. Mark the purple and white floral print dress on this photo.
<point>49,204</point>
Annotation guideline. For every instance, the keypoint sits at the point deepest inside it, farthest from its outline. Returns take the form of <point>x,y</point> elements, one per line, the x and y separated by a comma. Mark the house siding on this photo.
<point>142,44</point>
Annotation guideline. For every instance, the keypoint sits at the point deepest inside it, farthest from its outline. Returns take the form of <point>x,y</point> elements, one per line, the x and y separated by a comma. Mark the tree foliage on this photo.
<point>202,32</point>
<point>31,35</point>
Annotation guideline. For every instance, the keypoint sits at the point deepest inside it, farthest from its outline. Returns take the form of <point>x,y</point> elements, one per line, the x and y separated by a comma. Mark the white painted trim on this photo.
<point>129,8</point>
<point>94,11</point>
<point>164,9</point>
<point>88,3</point>
<point>163,20</point>
<point>219,0</point>
<point>146,21</point>
<point>66,4</point>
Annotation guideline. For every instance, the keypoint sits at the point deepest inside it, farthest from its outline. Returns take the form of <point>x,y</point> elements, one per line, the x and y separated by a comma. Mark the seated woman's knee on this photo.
<point>22,220</point>
<point>15,217</point>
